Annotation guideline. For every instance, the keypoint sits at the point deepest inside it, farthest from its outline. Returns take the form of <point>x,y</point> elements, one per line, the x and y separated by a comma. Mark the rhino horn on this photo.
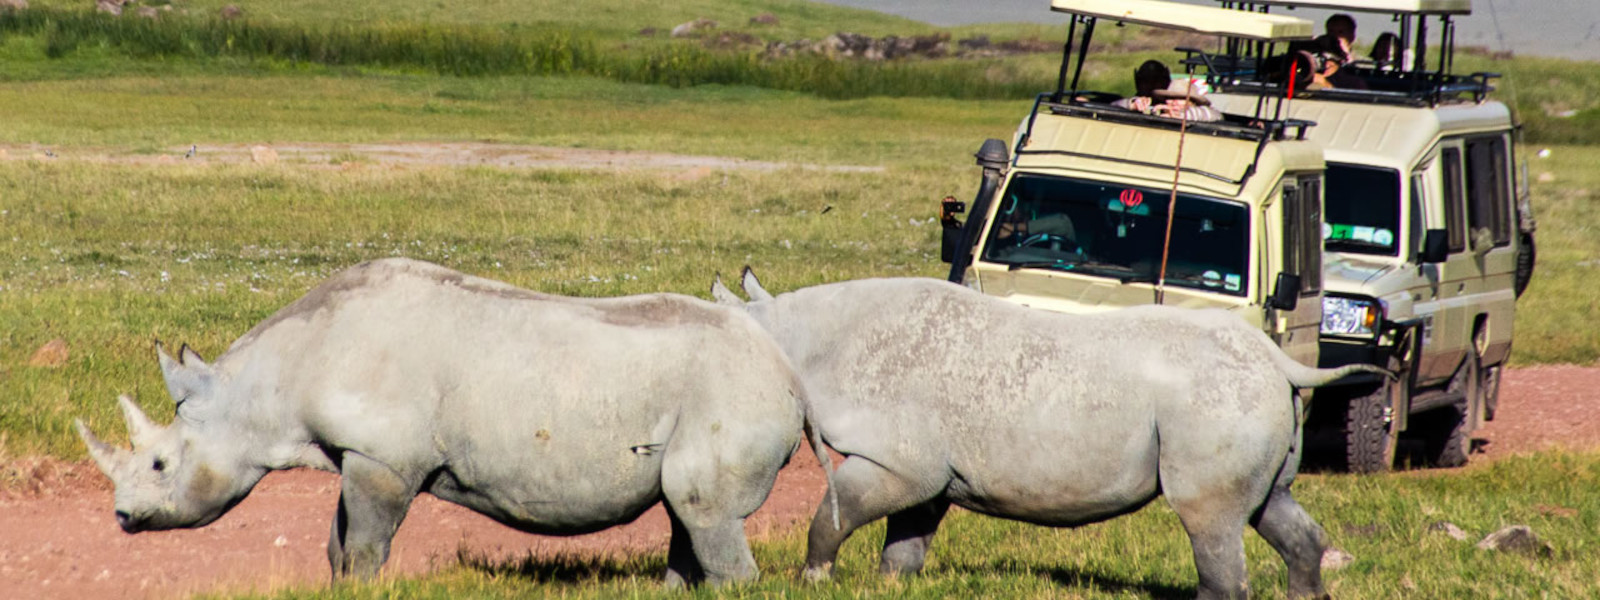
<point>752,286</point>
<point>722,294</point>
<point>141,429</point>
<point>104,456</point>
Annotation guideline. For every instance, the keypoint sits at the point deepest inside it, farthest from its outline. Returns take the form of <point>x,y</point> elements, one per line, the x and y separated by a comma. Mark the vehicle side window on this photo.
<point>1450,161</point>
<point>1488,193</point>
<point>1311,240</point>
<point>1414,225</point>
<point>1302,232</point>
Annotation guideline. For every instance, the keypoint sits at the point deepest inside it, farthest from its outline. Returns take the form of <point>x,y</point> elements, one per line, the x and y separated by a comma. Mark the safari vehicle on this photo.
<point>1094,207</point>
<point>1428,237</point>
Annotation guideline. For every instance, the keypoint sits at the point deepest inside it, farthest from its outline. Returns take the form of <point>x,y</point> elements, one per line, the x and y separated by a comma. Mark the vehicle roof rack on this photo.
<point>1189,17</point>
<point>1238,68</point>
<point>1415,7</point>
<point>1262,30</point>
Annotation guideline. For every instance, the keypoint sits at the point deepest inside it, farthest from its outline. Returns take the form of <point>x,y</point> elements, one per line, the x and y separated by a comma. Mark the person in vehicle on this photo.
<point>1182,100</point>
<point>1341,33</point>
<point>1158,94</point>
<point>1149,77</point>
<point>1386,52</point>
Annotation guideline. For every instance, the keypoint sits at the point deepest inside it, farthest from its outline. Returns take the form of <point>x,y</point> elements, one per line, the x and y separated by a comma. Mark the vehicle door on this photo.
<point>1441,300</point>
<point>1491,214</point>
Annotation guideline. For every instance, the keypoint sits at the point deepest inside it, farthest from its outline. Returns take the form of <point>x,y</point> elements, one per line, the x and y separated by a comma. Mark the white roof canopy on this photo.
<point>1415,7</point>
<point>1188,17</point>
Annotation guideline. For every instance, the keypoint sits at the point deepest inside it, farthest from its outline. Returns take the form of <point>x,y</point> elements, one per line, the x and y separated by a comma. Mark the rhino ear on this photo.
<point>752,286</point>
<point>141,430</point>
<point>190,358</point>
<point>186,376</point>
<point>723,295</point>
<point>104,456</point>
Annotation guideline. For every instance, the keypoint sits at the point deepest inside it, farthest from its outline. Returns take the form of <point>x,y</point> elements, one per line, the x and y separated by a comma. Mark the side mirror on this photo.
<point>951,240</point>
<point>1285,293</point>
<point>1435,247</point>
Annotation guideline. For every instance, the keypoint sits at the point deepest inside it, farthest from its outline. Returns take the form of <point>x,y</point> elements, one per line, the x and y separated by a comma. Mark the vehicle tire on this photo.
<point>1447,432</point>
<point>1369,437</point>
<point>1526,256</point>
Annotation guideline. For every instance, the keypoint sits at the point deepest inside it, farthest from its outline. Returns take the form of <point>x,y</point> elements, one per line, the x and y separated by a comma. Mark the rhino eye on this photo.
<point>158,465</point>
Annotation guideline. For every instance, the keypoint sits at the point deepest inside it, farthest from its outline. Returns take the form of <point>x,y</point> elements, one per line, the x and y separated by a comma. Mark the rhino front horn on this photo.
<point>104,456</point>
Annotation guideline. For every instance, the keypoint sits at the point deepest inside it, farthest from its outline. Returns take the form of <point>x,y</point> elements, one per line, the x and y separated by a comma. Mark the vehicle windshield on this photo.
<point>1361,210</point>
<point>1117,231</point>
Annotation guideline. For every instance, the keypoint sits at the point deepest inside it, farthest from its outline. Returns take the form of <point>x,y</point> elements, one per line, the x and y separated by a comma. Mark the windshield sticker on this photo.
<point>1211,279</point>
<point>1131,198</point>
<point>1360,233</point>
<point>1141,209</point>
<point>1383,236</point>
<point>1231,282</point>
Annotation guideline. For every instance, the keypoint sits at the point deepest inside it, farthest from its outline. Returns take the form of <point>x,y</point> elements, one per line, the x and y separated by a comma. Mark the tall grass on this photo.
<point>465,50</point>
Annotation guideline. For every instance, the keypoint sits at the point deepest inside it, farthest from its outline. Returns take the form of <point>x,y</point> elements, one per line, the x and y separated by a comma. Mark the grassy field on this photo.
<point>108,255</point>
<point>1383,521</point>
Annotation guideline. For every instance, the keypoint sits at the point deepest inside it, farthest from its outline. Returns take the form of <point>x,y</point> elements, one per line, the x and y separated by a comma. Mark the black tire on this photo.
<point>1369,437</point>
<point>1526,256</point>
<point>1447,432</point>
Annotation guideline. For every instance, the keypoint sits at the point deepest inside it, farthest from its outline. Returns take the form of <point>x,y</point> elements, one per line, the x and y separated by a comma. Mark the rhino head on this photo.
<point>186,474</point>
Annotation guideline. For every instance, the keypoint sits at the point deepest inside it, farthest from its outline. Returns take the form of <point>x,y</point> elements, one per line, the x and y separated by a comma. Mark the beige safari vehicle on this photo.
<point>1074,214</point>
<point>1428,237</point>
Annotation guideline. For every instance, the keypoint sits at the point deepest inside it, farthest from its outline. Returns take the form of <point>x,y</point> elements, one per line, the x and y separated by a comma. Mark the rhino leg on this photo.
<point>1297,538</point>
<point>708,501</point>
<point>910,534</point>
<point>373,500</point>
<point>683,569</point>
<point>867,492</point>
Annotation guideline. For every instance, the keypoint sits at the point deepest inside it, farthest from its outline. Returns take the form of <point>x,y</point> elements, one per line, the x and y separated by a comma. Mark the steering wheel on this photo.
<point>1051,241</point>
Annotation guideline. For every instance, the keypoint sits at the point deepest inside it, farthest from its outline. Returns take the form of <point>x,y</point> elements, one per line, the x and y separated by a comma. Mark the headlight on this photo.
<point>1350,316</point>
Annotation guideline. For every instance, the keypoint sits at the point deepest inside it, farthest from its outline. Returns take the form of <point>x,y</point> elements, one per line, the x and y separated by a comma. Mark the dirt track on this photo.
<point>58,539</point>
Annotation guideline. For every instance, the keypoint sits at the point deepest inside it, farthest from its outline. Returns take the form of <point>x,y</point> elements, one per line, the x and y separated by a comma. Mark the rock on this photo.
<point>1546,177</point>
<point>1516,538</point>
<point>230,12</point>
<point>4,154</point>
<point>149,12</point>
<point>1449,529</point>
<point>1334,559</point>
<point>51,355</point>
<point>14,4</point>
<point>693,27</point>
<point>111,7</point>
<point>263,155</point>
<point>764,19</point>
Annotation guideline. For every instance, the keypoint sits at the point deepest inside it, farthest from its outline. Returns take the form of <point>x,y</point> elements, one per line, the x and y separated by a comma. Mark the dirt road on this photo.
<point>58,538</point>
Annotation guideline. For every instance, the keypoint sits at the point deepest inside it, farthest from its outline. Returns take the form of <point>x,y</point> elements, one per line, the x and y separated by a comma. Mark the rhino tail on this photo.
<point>815,437</point>
<point>1301,376</point>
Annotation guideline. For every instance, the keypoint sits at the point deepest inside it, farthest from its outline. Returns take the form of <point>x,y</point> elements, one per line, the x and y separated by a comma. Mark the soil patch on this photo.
<point>60,540</point>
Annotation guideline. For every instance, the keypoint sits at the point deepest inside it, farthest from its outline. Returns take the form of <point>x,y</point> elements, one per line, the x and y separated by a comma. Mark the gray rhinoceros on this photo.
<point>551,415</point>
<point>937,394</point>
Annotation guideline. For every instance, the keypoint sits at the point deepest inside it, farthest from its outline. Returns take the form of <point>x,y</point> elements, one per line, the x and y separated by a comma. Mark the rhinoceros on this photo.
<point>552,415</point>
<point>936,395</point>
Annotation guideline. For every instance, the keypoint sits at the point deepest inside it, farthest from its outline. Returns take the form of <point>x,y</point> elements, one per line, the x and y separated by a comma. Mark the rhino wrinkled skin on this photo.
<point>939,395</point>
<point>551,415</point>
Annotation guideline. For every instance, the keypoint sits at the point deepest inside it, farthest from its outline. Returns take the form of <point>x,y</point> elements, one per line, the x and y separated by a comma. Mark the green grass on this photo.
<point>109,257</point>
<point>1383,521</point>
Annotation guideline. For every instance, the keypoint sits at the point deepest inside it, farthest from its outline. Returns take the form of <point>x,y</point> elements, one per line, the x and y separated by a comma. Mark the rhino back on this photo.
<point>545,412</point>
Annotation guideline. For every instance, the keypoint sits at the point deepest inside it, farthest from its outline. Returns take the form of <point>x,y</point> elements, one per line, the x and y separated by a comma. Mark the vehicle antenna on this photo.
<point>1172,200</point>
<point>1500,35</point>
